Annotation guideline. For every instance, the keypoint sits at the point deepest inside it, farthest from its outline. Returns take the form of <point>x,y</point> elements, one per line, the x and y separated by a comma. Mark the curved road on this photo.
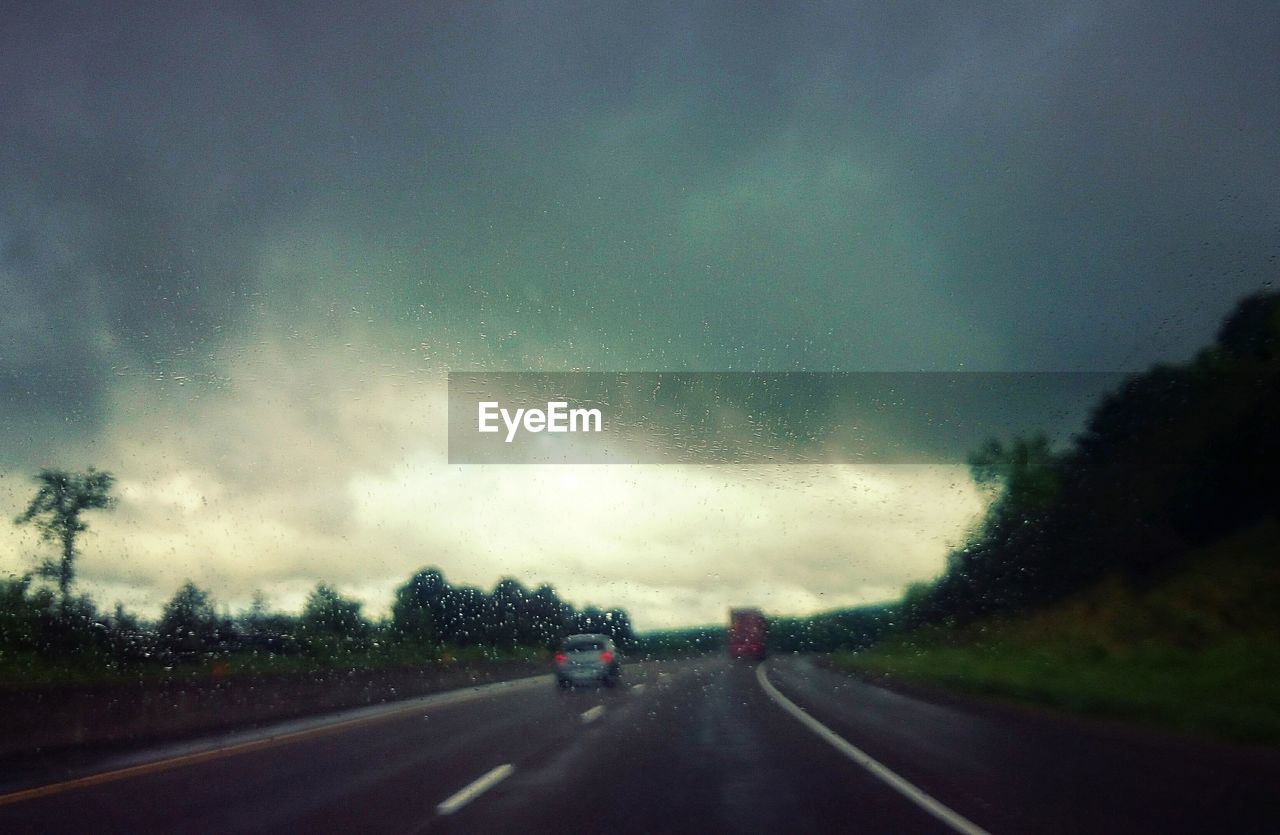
<point>702,745</point>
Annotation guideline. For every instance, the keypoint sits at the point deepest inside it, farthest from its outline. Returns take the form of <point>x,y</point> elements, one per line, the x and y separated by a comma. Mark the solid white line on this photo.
<point>907,790</point>
<point>589,716</point>
<point>475,789</point>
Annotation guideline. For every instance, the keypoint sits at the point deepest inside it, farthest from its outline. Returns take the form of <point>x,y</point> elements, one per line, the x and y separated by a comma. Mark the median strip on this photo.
<point>474,789</point>
<point>943,813</point>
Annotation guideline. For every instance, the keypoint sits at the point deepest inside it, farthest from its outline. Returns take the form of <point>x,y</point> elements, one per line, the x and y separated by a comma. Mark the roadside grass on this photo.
<point>26,668</point>
<point>383,657</point>
<point>1230,690</point>
<point>1197,650</point>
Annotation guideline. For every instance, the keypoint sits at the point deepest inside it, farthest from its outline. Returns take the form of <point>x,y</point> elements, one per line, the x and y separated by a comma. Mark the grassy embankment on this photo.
<point>35,669</point>
<point>1197,650</point>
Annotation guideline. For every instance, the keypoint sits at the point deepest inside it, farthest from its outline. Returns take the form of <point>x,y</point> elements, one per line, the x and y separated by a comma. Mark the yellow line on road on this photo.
<point>243,747</point>
<point>163,765</point>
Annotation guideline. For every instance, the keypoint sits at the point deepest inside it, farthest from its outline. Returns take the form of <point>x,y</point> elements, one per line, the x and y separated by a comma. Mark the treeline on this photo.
<point>1178,457</point>
<point>842,629</point>
<point>430,612</point>
<point>676,643</point>
<point>430,619</point>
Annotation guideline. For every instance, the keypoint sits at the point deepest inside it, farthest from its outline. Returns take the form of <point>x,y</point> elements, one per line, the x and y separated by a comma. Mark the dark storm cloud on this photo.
<point>134,173</point>
<point>147,150</point>
<point>1080,173</point>
<point>887,186</point>
<point>237,240</point>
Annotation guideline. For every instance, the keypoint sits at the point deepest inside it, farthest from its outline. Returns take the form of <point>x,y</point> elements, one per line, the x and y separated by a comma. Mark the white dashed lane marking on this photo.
<point>474,789</point>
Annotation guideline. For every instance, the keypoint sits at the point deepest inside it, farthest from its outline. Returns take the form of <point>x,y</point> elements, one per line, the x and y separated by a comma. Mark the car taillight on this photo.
<point>559,657</point>
<point>606,656</point>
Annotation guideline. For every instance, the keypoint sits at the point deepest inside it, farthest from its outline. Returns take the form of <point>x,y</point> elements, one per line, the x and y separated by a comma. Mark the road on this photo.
<point>700,745</point>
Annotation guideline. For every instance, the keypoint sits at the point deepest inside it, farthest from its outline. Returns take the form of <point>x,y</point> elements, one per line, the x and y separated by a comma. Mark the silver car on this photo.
<point>587,659</point>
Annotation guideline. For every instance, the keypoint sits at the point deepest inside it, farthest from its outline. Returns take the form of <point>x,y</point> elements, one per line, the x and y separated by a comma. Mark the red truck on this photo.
<point>747,630</point>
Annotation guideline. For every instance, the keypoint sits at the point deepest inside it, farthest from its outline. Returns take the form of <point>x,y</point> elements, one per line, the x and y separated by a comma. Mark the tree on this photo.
<point>56,510</point>
<point>544,609</point>
<point>1025,469</point>
<point>618,627</point>
<point>266,631</point>
<point>330,620</point>
<point>466,616</point>
<point>258,611</point>
<point>25,617</point>
<point>418,613</point>
<point>189,624</point>
<point>1253,328</point>
<point>509,623</point>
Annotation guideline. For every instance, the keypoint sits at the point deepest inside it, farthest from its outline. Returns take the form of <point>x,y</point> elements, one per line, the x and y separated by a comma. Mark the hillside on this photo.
<point>1175,459</point>
<point>1135,573</point>
<point>1196,650</point>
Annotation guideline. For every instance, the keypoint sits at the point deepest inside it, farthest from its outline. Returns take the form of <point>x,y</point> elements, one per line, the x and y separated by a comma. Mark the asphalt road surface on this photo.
<point>704,745</point>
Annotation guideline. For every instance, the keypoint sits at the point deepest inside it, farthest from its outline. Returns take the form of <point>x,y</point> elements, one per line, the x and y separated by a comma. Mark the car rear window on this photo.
<point>587,645</point>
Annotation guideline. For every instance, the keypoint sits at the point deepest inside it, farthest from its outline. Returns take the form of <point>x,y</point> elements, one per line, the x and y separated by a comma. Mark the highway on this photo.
<point>701,745</point>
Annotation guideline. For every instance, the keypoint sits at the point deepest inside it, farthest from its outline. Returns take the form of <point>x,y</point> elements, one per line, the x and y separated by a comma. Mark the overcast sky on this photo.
<point>240,245</point>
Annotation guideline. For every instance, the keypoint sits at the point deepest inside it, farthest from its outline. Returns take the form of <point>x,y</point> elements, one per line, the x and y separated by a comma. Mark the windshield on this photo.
<point>884,394</point>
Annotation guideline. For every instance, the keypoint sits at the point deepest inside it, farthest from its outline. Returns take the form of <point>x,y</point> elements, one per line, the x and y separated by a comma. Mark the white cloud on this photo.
<point>303,467</point>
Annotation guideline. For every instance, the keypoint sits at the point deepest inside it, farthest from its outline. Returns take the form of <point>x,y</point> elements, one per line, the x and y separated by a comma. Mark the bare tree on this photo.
<point>56,510</point>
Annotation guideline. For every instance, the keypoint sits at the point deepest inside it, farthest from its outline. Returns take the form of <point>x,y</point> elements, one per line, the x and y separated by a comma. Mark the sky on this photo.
<point>241,245</point>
